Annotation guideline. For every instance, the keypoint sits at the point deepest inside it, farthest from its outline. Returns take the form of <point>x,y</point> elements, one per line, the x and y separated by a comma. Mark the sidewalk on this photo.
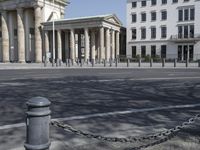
<point>11,66</point>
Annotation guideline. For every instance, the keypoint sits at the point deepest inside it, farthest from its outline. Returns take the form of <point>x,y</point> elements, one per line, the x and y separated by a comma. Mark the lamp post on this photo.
<point>53,55</point>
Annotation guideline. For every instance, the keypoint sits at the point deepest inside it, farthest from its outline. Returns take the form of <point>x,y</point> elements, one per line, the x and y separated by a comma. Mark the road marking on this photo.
<point>82,117</point>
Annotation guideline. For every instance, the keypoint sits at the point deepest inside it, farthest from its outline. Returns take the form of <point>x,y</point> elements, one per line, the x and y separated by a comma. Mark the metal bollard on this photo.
<point>116,62</point>
<point>45,63</point>
<point>151,62</point>
<point>92,62</point>
<point>81,63</point>
<point>139,62</point>
<point>60,62</point>
<point>67,60</point>
<point>57,62</point>
<point>110,61</point>
<point>37,124</point>
<point>187,63</point>
<point>163,62</point>
<point>175,62</point>
<point>72,62</point>
<point>104,62</point>
<point>53,63</point>
<point>128,62</point>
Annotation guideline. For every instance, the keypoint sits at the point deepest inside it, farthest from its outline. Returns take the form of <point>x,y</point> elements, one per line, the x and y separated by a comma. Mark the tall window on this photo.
<point>153,2</point>
<point>134,4</point>
<point>180,32</point>
<point>153,51</point>
<point>185,31</point>
<point>143,3</point>
<point>143,17</point>
<point>143,51</point>
<point>153,32</point>
<point>134,34</point>
<point>163,51</point>
<point>164,15</point>
<point>143,33</point>
<point>164,2</point>
<point>134,17</point>
<point>186,14</point>
<point>134,49</point>
<point>191,31</point>
<point>163,32</point>
<point>174,1</point>
<point>180,15</point>
<point>192,14</point>
<point>153,16</point>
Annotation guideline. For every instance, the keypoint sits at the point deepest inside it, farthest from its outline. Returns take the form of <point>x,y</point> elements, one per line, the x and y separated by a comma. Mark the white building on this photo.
<point>166,28</point>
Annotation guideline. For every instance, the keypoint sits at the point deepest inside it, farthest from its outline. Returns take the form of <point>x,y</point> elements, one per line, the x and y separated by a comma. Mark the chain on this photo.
<point>162,135</point>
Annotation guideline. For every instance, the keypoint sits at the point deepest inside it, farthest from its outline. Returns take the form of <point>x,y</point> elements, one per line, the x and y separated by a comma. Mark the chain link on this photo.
<point>162,136</point>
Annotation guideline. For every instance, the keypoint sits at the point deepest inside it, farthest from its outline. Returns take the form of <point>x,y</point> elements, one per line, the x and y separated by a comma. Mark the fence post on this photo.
<point>151,62</point>
<point>128,62</point>
<point>163,62</point>
<point>67,60</point>
<point>53,62</point>
<point>110,61</point>
<point>139,62</point>
<point>37,124</point>
<point>92,62</point>
<point>199,63</point>
<point>104,62</point>
<point>175,61</point>
<point>57,62</point>
<point>116,62</point>
<point>45,63</point>
<point>186,63</point>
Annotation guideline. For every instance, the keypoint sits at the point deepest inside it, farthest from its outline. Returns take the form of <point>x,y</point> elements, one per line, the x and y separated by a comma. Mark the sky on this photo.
<point>80,8</point>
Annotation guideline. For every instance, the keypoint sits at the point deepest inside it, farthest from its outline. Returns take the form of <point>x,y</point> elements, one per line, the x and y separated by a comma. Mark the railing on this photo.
<point>129,63</point>
<point>181,37</point>
<point>38,123</point>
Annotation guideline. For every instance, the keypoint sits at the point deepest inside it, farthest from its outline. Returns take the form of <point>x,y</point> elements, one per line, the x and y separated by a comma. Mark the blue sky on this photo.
<point>80,8</point>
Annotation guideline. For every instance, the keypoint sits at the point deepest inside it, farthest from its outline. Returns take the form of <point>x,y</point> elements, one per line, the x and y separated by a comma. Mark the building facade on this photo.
<point>163,28</point>
<point>88,38</point>
<point>26,33</point>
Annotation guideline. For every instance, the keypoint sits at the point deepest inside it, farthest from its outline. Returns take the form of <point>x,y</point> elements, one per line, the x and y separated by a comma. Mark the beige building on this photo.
<point>26,33</point>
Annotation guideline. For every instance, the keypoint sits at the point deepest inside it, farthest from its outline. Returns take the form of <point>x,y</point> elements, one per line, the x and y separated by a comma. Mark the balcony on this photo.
<point>193,38</point>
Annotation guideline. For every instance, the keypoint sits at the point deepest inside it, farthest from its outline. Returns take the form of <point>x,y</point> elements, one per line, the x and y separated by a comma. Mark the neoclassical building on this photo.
<point>26,33</point>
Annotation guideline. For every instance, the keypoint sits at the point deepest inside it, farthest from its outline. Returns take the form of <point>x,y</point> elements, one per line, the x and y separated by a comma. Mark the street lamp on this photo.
<point>53,52</point>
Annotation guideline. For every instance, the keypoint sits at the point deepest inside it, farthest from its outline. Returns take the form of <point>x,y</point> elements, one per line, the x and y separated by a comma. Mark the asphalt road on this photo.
<point>136,97</point>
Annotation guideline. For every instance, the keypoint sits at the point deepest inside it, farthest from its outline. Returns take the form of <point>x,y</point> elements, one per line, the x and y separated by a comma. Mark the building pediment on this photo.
<point>113,19</point>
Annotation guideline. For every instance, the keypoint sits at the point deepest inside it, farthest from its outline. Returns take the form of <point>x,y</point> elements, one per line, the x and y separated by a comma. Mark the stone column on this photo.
<point>38,39</point>
<point>102,50</point>
<point>79,46</point>
<point>59,44</point>
<point>93,44</point>
<point>21,35</point>
<point>107,44</point>
<point>5,36</point>
<point>46,44</point>
<point>72,44</point>
<point>87,46</point>
<point>113,45</point>
<point>117,44</point>
<point>67,45</point>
